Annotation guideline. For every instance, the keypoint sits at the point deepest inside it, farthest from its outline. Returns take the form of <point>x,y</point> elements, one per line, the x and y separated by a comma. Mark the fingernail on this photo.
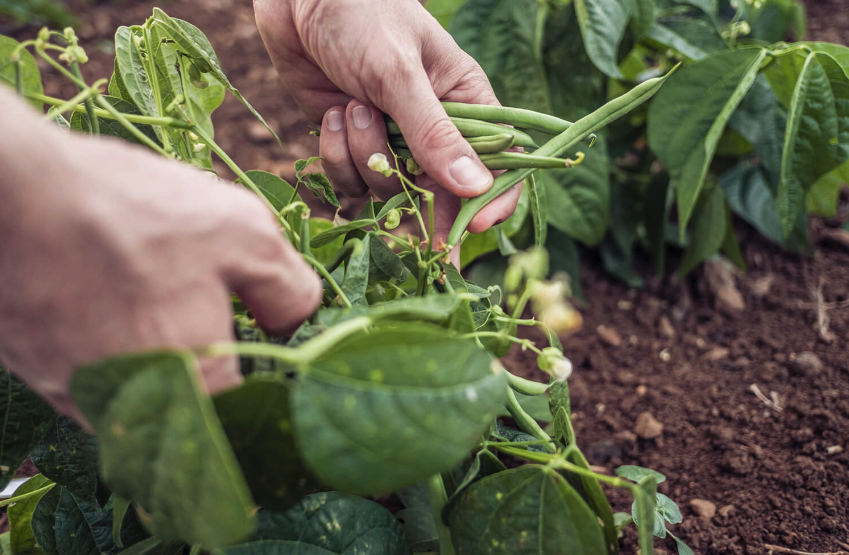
<point>470,175</point>
<point>335,120</point>
<point>362,117</point>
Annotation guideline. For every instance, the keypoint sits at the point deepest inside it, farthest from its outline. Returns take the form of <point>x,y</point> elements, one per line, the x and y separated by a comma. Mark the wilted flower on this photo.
<point>561,318</point>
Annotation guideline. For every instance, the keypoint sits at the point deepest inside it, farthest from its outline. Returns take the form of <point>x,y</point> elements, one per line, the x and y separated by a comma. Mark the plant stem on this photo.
<point>301,355</point>
<point>84,95</point>
<point>438,499</point>
<point>89,106</point>
<point>525,422</point>
<point>120,118</point>
<point>133,118</point>
<point>319,267</point>
<point>526,387</point>
<point>19,85</point>
<point>24,496</point>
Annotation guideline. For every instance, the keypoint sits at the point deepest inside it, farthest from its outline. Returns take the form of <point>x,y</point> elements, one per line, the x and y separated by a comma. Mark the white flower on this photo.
<point>561,318</point>
<point>562,369</point>
<point>380,164</point>
<point>552,361</point>
<point>548,292</point>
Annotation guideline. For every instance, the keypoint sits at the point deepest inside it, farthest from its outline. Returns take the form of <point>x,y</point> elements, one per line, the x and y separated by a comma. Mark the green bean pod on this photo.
<point>489,144</point>
<point>474,128</point>
<point>558,145</point>
<point>517,160</point>
<point>517,117</point>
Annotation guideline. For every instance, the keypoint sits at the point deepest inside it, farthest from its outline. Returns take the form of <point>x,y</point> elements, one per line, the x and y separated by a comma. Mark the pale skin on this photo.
<point>107,249</point>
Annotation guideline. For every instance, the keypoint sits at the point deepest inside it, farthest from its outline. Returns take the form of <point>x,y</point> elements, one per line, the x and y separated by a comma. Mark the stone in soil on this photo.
<point>647,426</point>
<point>703,508</point>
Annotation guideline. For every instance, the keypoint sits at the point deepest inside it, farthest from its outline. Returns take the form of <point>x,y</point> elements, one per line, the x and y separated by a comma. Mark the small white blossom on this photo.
<point>380,164</point>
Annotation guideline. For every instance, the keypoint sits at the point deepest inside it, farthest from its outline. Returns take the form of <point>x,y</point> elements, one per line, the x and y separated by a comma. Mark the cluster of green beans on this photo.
<point>479,124</point>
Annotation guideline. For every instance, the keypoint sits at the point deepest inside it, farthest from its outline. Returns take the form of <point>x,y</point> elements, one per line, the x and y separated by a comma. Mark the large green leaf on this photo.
<point>578,198</point>
<point>665,36</point>
<point>133,77</point>
<point>708,230</point>
<point>194,43</point>
<point>825,193</point>
<point>816,140</point>
<point>274,188</point>
<point>324,253</point>
<point>501,35</point>
<point>603,24</point>
<point>356,273</point>
<point>163,448</point>
<point>22,540</point>
<point>750,196</point>
<point>528,510</point>
<point>68,456</point>
<point>395,406</point>
<point>256,418</point>
<point>337,522</point>
<point>63,524</point>
<point>26,418</point>
<point>596,499</point>
<point>30,74</point>
<point>689,114</point>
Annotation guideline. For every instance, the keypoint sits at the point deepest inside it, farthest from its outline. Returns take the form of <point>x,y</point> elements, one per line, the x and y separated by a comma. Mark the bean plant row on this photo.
<point>748,130</point>
<point>393,385</point>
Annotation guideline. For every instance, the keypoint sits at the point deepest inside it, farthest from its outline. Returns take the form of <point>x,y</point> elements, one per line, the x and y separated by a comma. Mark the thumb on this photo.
<point>437,145</point>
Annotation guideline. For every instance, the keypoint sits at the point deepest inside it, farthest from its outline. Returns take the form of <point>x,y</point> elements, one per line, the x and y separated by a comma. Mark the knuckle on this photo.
<point>437,134</point>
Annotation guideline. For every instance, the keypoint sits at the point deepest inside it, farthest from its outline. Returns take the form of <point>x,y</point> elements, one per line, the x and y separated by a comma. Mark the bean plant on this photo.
<point>393,385</point>
<point>750,128</point>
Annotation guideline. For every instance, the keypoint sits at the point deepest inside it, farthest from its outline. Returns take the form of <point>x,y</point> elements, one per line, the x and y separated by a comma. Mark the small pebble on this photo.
<point>609,335</point>
<point>834,449</point>
<point>807,364</point>
<point>727,510</point>
<point>664,326</point>
<point>716,354</point>
<point>703,508</point>
<point>647,426</point>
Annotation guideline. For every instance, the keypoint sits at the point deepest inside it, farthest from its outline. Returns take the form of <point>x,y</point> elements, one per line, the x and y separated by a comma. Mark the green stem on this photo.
<point>58,67</point>
<point>301,355</point>
<point>122,119</point>
<point>89,106</point>
<point>84,95</point>
<point>19,85</point>
<point>523,301</point>
<point>319,267</point>
<point>195,550</point>
<point>133,118</point>
<point>526,387</point>
<point>341,254</point>
<point>305,233</point>
<point>525,422</point>
<point>150,68</point>
<point>438,499</point>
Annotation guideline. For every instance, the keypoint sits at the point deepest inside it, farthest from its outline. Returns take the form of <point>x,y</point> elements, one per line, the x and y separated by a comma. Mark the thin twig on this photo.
<point>822,315</point>
<point>773,403</point>
<point>787,551</point>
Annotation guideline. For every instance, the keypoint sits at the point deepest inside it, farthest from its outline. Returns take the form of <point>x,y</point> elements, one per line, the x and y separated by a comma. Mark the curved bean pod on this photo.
<point>517,117</point>
<point>474,128</point>
<point>611,111</point>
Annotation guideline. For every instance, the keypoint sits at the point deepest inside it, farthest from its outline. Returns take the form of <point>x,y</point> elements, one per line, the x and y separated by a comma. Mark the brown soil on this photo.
<point>776,475</point>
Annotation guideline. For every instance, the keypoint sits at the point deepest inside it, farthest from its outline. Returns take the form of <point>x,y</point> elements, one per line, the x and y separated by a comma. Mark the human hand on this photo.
<point>108,249</point>
<point>346,61</point>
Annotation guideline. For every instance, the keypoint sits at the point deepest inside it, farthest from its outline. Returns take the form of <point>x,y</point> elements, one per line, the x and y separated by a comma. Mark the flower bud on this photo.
<point>561,318</point>
<point>413,167</point>
<point>44,35</point>
<point>551,360</point>
<point>198,148</point>
<point>546,293</point>
<point>512,278</point>
<point>78,54</point>
<point>380,164</point>
<point>393,219</point>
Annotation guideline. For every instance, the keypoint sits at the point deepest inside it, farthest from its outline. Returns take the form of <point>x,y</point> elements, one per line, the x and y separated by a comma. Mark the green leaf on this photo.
<point>110,127</point>
<point>433,308</point>
<point>708,231</point>
<point>579,197</point>
<point>637,473</point>
<point>326,237</point>
<point>395,406</point>
<point>397,201</point>
<point>689,114</point>
<point>386,261</point>
<point>444,10</point>
<point>816,140</point>
<point>419,530</point>
<point>133,77</point>
<point>274,188</point>
<point>162,446</point>
<point>603,24</point>
<point>643,17</point>
<point>6,543</point>
<point>120,507</point>
<point>338,523</point>
<point>195,44</point>
<point>257,420</point>
<point>30,74</point>
<point>325,253</point>
<point>501,36</point>
<point>355,283</point>
<point>622,520</point>
<point>707,6</point>
<point>66,525</point>
<point>68,456</point>
<point>825,193</point>
<point>484,464</point>
<point>665,36</point>
<point>321,188</point>
<point>536,511</point>
<point>750,197</point>
<point>26,419</point>
<point>22,540</point>
<point>730,246</point>
<point>117,87</point>
<point>683,548</point>
<point>668,509</point>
